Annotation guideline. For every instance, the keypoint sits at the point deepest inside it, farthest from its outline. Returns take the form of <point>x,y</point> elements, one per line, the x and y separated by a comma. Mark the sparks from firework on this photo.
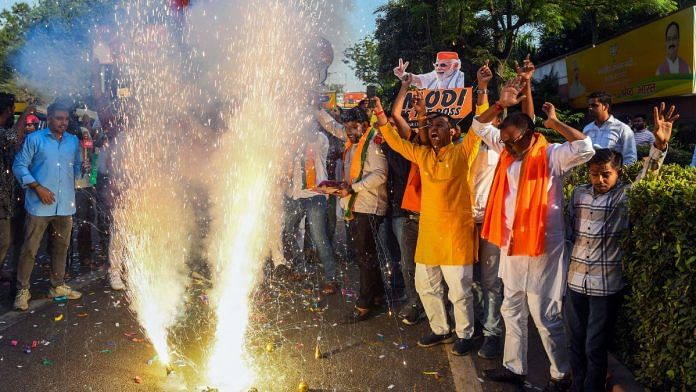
<point>254,67</point>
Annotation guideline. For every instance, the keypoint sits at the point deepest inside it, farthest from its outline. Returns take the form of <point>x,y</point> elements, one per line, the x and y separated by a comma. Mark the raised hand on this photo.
<point>510,94</point>
<point>484,75</point>
<point>400,70</point>
<point>526,71</point>
<point>550,112</point>
<point>419,103</point>
<point>662,125</point>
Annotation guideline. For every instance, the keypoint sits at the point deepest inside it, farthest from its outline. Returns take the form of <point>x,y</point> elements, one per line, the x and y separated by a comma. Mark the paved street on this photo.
<point>95,344</point>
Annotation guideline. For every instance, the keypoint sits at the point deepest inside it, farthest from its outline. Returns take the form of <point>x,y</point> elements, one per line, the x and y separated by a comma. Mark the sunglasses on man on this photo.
<point>511,143</point>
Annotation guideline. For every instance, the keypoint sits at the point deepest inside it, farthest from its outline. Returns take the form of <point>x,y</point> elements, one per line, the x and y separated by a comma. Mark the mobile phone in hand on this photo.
<point>371,94</point>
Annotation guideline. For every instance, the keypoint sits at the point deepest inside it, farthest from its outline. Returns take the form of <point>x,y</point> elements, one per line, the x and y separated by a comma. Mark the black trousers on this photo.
<point>364,231</point>
<point>590,323</point>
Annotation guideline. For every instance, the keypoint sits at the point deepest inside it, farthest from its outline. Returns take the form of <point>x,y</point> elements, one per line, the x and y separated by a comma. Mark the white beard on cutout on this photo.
<point>447,74</point>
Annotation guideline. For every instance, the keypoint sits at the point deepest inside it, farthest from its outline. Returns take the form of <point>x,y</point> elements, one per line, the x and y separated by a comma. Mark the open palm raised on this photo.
<point>509,96</point>
<point>662,125</point>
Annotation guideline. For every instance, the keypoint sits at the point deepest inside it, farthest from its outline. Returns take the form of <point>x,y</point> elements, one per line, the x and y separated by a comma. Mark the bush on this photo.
<point>660,266</point>
<point>657,328</point>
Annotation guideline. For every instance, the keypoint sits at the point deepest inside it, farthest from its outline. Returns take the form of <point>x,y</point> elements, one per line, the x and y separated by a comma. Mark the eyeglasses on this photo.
<point>510,143</point>
<point>441,65</point>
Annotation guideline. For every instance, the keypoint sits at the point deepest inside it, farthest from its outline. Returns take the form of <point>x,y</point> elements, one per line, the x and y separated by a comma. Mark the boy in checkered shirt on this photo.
<point>598,218</point>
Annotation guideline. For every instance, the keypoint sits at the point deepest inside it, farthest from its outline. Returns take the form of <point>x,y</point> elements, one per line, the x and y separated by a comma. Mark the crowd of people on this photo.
<point>477,219</point>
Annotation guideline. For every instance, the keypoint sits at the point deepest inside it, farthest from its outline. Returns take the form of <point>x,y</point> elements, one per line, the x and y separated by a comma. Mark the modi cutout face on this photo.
<point>446,64</point>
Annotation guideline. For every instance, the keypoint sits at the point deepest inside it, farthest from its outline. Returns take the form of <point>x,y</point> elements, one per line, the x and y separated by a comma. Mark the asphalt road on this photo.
<point>95,344</point>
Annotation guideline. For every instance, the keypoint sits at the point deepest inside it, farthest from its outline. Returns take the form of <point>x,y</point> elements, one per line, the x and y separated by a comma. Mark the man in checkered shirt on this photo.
<point>598,218</point>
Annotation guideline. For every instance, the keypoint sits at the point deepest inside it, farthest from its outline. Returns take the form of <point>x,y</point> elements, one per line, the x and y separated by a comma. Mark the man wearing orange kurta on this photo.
<point>446,240</point>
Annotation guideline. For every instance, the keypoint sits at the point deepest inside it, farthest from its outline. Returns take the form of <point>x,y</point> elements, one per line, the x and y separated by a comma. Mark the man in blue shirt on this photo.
<point>46,167</point>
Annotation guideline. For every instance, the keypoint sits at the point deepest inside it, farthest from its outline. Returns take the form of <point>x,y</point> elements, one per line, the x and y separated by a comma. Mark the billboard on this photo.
<point>652,61</point>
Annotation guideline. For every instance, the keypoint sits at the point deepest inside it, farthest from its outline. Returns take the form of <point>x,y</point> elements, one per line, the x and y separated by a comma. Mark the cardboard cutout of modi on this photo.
<point>446,75</point>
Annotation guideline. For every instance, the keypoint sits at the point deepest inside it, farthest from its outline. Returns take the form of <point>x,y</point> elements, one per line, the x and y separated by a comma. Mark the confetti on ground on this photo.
<point>46,362</point>
<point>82,314</point>
<point>437,375</point>
<point>14,342</point>
<point>137,379</point>
<point>58,317</point>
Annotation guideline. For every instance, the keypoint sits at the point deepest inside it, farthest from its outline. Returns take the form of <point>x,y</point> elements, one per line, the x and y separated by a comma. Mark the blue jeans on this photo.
<point>489,290</point>
<point>315,208</point>
<point>406,231</point>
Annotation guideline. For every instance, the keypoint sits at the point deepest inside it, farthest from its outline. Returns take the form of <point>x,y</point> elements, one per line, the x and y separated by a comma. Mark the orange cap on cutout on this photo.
<point>447,56</point>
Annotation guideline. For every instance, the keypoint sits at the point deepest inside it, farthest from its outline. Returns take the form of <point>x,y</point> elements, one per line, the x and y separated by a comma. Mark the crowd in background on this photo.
<point>458,226</point>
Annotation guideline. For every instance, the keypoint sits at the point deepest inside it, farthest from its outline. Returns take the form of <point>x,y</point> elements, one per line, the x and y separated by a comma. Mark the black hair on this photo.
<point>354,114</point>
<point>451,121</point>
<point>602,96</point>
<point>641,115</point>
<point>7,100</point>
<point>58,106</point>
<point>518,120</point>
<point>606,155</point>
<point>675,24</point>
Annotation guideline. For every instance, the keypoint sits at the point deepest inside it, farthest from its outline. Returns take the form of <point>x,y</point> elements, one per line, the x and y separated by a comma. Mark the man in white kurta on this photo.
<point>535,284</point>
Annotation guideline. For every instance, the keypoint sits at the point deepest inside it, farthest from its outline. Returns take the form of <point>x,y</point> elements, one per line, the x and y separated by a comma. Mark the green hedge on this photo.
<point>657,330</point>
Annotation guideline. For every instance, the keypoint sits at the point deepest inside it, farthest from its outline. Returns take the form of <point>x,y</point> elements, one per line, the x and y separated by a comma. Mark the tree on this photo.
<point>605,20</point>
<point>606,13</point>
<point>14,22</point>
<point>363,58</point>
<point>70,19</point>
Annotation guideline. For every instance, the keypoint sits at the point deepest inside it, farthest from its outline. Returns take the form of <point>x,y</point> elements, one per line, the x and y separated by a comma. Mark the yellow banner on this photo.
<point>656,60</point>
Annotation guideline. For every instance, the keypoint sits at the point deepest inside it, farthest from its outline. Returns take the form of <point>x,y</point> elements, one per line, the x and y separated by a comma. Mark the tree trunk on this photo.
<point>595,27</point>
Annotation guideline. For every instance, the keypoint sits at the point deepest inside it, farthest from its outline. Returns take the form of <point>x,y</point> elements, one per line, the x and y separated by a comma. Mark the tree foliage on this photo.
<point>363,58</point>
<point>599,20</point>
<point>18,23</point>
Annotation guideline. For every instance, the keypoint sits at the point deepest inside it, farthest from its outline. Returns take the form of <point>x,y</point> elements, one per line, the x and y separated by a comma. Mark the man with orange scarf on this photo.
<point>524,217</point>
<point>363,199</point>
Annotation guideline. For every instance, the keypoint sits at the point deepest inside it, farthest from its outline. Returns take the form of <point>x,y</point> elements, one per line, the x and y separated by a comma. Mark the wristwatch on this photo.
<point>481,91</point>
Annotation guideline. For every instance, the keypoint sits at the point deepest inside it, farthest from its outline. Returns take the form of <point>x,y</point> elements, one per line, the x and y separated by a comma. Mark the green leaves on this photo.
<point>659,265</point>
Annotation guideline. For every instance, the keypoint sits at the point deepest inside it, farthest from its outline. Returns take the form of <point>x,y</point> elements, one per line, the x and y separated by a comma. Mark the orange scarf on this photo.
<point>412,193</point>
<point>310,172</point>
<point>529,225</point>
